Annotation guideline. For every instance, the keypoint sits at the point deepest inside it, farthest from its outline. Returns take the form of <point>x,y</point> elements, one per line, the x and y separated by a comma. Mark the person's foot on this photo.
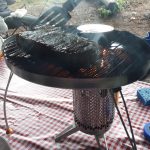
<point>4,144</point>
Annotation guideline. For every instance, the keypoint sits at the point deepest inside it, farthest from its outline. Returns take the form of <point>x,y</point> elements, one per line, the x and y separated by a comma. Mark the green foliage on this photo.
<point>107,12</point>
<point>120,4</point>
<point>103,12</point>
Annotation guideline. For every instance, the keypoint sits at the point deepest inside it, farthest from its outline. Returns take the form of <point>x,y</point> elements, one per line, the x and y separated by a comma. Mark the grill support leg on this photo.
<point>132,140</point>
<point>8,129</point>
<point>68,131</point>
<point>98,142</point>
<point>105,142</point>
<point>129,120</point>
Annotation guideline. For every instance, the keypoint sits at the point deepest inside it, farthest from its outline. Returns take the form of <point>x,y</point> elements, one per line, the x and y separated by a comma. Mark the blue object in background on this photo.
<point>147,38</point>
<point>143,95</point>
<point>147,131</point>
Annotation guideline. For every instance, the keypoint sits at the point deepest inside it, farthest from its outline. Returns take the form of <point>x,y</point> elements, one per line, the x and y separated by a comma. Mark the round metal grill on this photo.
<point>123,59</point>
<point>115,58</point>
<point>93,110</point>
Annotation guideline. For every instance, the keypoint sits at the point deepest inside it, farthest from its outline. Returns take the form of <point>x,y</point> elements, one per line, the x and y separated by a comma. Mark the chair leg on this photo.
<point>8,129</point>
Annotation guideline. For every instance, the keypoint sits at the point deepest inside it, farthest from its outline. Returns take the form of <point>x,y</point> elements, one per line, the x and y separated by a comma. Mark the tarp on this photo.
<point>37,113</point>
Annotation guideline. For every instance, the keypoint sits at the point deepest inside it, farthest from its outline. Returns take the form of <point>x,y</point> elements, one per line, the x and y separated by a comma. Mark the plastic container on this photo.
<point>143,95</point>
<point>147,38</point>
<point>147,131</point>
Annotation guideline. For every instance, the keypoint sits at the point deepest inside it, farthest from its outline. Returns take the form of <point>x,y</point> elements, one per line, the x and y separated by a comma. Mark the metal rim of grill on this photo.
<point>19,61</point>
<point>10,47</point>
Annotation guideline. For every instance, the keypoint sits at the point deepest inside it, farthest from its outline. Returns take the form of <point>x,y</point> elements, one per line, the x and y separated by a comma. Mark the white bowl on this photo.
<point>95,28</point>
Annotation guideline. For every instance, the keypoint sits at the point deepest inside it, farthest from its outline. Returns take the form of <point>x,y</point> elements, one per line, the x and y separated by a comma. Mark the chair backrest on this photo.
<point>57,16</point>
<point>69,5</point>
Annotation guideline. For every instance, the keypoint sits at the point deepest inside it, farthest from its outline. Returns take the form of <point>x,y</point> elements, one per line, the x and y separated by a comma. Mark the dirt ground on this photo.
<point>135,17</point>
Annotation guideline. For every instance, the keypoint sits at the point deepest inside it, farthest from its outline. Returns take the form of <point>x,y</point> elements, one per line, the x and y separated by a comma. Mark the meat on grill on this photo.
<point>119,53</point>
<point>59,47</point>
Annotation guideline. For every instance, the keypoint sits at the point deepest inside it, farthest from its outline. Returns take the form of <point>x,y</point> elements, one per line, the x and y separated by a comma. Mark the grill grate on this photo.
<point>114,59</point>
<point>110,61</point>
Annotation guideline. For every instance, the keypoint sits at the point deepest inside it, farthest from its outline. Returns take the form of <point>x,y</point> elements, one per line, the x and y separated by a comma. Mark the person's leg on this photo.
<point>4,10</point>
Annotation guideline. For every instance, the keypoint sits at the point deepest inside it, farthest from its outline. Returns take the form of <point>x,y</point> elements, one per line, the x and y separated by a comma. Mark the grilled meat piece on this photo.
<point>59,47</point>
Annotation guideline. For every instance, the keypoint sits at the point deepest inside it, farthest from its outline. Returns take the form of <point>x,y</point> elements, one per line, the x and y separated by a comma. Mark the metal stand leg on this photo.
<point>129,120</point>
<point>105,142</point>
<point>97,140</point>
<point>132,141</point>
<point>8,130</point>
<point>68,131</point>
